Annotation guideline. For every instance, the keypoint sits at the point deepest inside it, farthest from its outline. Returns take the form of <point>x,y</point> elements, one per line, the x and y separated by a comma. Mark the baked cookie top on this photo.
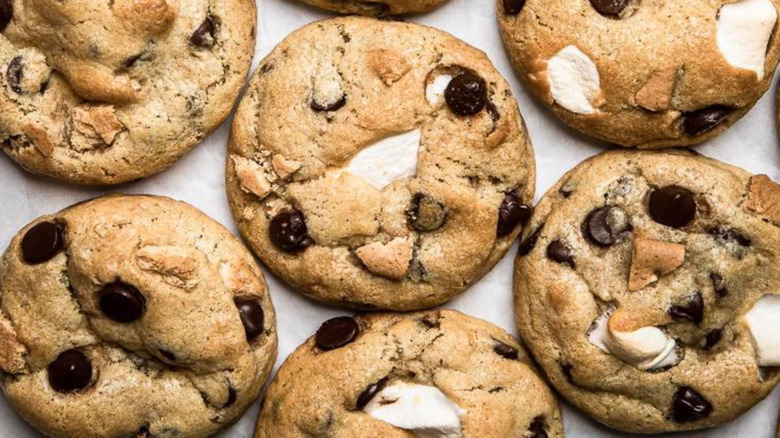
<point>98,92</point>
<point>433,374</point>
<point>647,287</point>
<point>644,73</point>
<point>379,164</point>
<point>377,8</point>
<point>132,316</point>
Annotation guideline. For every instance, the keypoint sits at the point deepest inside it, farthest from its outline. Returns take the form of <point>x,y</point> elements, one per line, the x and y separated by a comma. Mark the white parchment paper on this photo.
<point>198,179</point>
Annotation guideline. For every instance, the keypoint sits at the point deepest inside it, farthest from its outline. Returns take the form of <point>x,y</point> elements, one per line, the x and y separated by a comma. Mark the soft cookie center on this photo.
<point>387,160</point>
<point>744,29</point>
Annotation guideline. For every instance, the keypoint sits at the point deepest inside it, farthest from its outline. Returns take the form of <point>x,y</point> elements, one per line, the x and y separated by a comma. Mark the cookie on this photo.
<point>647,287</point>
<point>377,9</point>
<point>644,73</point>
<point>378,164</point>
<point>110,92</point>
<point>132,316</point>
<point>432,374</point>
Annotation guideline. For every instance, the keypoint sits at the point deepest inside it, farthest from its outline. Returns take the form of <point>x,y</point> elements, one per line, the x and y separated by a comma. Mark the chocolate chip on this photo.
<point>289,233</point>
<point>333,106</point>
<point>609,8</point>
<point>537,428</point>
<point>513,7</point>
<point>14,74</point>
<point>729,235</point>
<point>719,285</point>
<point>705,120</point>
<point>713,337</point>
<point>426,213</point>
<point>205,34</point>
<point>505,351</point>
<point>42,242</point>
<point>122,302</point>
<point>529,243</point>
<point>71,371</point>
<point>466,94</point>
<point>336,333</point>
<point>560,252</point>
<point>370,392</point>
<point>689,405</point>
<point>252,316</point>
<point>607,226</point>
<point>693,310</point>
<point>512,213</point>
<point>6,13</point>
<point>673,206</point>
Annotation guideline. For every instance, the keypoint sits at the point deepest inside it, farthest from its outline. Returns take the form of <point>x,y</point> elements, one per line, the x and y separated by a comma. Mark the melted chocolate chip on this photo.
<point>205,34</point>
<point>560,252</point>
<point>705,120</point>
<point>334,106</point>
<point>607,226</point>
<point>466,94</point>
<point>529,243</point>
<point>729,235</point>
<point>426,213</point>
<point>673,206</point>
<point>71,371</point>
<point>693,310</point>
<point>6,13</point>
<point>688,406</point>
<point>537,428</point>
<point>512,213</point>
<point>713,337</point>
<point>719,285</point>
<point>42,242</point>
<point>513,7</point>
<point>609,8</point>
<point>289,233</point>
<point>122,302</point>
<point>370,392</point>
<point>505,351</point>
<point>252,316</point>
<point>14,74</point>
<point>336,333</point>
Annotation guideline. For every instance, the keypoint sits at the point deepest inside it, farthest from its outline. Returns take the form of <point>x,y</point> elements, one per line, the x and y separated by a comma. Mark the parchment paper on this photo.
<point>198,179</point>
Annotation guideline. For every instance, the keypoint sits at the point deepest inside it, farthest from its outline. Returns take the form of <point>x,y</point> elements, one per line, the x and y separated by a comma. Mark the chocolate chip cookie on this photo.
<point>376,8</point>
<point>132,316</point>
<point>431,374</point>
<point>379,164</point>
<point>647,287</point>
<point>644,73</point>
<point>109,92</point>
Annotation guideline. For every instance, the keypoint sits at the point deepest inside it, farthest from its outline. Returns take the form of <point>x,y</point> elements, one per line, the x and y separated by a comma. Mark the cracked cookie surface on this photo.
<point>644,73</point>
<point>98,92</point>
<point>379,164</point>
<point>474,365</point>
<point>647,289</point>
<point>377,8</point>
<point>132,316</point>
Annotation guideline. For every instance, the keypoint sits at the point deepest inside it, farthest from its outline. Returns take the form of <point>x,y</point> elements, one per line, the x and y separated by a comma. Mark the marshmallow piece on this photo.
<point>434,91</point>
<point>744,29</point>
<point>387,160</point>
<point>763,321</point>
<point>421,409</point>
<point>389,260</point>
<point>651,258</point>
<point>646,348</point>
<point>574,80</point>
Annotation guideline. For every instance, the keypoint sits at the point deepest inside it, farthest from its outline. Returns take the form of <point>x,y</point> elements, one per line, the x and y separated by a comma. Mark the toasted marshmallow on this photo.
<point>763,321</point>
<point>646,348</point>
<point>421,409</point>
<point>387,160</point>
<point>744,29</point>
<point>574,81</point>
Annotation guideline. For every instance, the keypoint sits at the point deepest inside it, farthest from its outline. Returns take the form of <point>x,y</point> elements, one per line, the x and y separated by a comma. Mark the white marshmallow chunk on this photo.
<point>421,409</point>
<point>574,80</point>
<point>387,160</point>
<point>744,29</point>
<point>434,92</point>
<point>763,321</point>
<point>646,348</point>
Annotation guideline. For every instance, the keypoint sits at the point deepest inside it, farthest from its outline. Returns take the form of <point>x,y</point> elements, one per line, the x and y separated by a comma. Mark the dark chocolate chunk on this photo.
<point>607,226</point>
<point>512,213</point>
<point>702,121</point>
<point>466,94</point>
<point>693,310</point>
<point>673,206</point>
<point>688,406</point>
<point>370,392</point>
<point>505,351</point>
<point>288,232</point>
<point>252,316</point>
<point>336,333</point>
<point>71,371</point>
<point>42,242</point>
<point>121,302</point>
